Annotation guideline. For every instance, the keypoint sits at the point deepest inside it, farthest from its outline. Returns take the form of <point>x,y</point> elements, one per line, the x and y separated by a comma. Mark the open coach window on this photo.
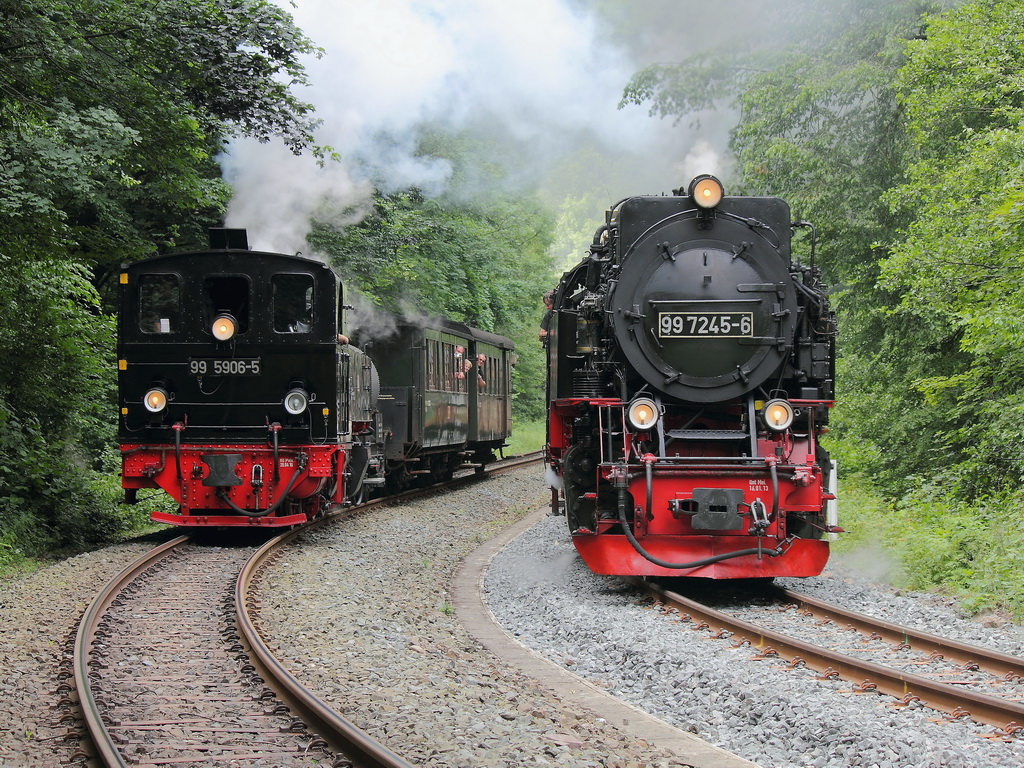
<point>293,303</point>
<point>159,303</point>
<point>226,294</point>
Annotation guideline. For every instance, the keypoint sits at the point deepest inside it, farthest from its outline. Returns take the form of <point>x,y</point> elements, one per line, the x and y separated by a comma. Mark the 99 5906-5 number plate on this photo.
<point>210,366</point>
<point>698,325</point>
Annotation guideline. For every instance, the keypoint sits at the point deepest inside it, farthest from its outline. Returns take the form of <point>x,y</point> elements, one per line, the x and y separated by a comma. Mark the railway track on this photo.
<point>170,667</point>
<point>917,668</point>
<point>164,677</point>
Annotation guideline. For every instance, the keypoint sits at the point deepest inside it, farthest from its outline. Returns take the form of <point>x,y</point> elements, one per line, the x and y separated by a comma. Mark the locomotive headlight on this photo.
<point>778,415</point>
<point>296,401</point>
<point>224,327</point>
<point>642,413</point>
<point>706,191</point>
<point>155,400</point>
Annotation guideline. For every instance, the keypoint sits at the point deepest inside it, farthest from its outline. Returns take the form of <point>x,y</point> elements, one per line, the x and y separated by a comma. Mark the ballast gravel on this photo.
<point>39,616</point>
<point>362,613</point>
<point>776,717</point>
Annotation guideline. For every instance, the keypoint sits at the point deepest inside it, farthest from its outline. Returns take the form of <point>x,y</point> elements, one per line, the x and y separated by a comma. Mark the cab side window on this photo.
<point>159,303</point>
<point>293,303</point>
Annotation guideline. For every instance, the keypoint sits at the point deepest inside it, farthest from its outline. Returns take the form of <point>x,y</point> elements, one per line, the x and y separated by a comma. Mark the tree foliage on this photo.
<point>112,113</point>
<point>957,260</point>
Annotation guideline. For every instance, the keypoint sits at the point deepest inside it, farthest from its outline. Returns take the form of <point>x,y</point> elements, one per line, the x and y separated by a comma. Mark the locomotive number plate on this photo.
<point>210,366</point>
<point>696,325</point>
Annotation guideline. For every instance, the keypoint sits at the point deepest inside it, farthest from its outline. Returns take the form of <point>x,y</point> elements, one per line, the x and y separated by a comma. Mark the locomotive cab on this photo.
<point>690,372</point>
<point>239,394</point>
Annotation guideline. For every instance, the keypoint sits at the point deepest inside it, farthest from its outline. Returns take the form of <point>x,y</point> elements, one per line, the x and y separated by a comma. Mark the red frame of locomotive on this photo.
<point>654,482</point>
<point>292,479</point>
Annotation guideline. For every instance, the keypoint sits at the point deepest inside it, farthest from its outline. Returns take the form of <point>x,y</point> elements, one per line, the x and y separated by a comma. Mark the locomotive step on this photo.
<point>708,434</point>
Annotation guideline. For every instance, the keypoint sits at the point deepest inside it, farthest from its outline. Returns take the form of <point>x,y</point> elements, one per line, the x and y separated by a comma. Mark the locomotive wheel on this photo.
<point>580,512</point>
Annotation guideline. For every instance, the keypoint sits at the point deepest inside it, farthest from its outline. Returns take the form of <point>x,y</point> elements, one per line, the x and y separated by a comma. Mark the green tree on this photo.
<point>112,113</point>
<point>958,261</point>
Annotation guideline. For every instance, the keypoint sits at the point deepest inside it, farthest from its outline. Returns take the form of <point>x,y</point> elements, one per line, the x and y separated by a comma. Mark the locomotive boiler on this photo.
<point>690,377</point>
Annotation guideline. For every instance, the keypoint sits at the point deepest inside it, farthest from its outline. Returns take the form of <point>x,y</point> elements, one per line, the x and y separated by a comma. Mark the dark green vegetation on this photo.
<point>112,115</point>
<point>899,136</point>
<point>895,127</point>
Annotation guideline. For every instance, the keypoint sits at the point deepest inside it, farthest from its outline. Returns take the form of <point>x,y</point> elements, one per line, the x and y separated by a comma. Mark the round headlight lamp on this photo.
<point>706,191</point>
<point>778,415</point>
<point>296,401</point>
<point>224,327</point>
<point>642,413</point>
<point>155,399</point>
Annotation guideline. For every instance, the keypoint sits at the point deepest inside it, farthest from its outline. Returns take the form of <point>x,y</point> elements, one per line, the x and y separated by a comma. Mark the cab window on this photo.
<point>293,303</point>
<point>159,303</point>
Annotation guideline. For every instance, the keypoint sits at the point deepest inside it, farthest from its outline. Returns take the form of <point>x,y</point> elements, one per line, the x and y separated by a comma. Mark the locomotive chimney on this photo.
<point>222,237</point>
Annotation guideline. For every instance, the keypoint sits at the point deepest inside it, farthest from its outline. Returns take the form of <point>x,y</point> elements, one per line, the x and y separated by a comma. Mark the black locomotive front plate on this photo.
<point>211,366</point>
<point>696,325</point>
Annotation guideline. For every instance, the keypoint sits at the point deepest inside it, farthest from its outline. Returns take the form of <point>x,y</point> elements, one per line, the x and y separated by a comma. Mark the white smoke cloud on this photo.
<point>543,75</point>
<point>702,158</point>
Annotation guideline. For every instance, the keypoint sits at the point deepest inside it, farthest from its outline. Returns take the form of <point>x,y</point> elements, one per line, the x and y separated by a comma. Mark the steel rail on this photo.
<point>991,710</point>
<point>966,655</point>
<point>91,619</point>
<point>339,732</point>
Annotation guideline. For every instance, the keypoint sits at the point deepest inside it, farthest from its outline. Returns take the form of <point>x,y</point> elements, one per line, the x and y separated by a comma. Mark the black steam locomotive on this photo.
<point>243,397</point>
<point>690,375</point>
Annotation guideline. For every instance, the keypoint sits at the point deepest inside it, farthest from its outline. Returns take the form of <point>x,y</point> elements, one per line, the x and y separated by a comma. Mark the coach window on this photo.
<point>226,294</point>
<point>293,303</point>
<point>433,375</point>
<point>461,366</point>
<point>159,303</point>
<point>446,367</point>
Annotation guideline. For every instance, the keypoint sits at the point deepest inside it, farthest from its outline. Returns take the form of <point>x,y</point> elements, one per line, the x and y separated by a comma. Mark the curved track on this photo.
<point>164,679</point>
<point>950,676</point>
<point>170,665</point>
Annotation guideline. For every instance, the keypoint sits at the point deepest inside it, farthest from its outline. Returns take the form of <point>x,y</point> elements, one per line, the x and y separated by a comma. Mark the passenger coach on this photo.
<point>445,395</point>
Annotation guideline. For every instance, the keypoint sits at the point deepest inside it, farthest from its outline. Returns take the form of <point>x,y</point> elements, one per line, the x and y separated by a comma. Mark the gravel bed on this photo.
<point>361,613</point>
<point>541,592</point>
<point>362,610</point>
<point>39,616</point>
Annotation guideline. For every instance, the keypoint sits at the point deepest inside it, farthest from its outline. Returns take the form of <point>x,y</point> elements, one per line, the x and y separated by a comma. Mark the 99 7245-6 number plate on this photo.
<point>698,325</point>
<point>210,366</point>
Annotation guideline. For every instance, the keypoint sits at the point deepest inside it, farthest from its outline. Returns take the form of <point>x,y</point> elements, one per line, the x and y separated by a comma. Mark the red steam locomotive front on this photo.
<point>690,377</point>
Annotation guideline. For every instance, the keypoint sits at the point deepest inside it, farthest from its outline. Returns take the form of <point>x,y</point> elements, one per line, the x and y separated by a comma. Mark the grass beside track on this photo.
<point>927,541</point>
